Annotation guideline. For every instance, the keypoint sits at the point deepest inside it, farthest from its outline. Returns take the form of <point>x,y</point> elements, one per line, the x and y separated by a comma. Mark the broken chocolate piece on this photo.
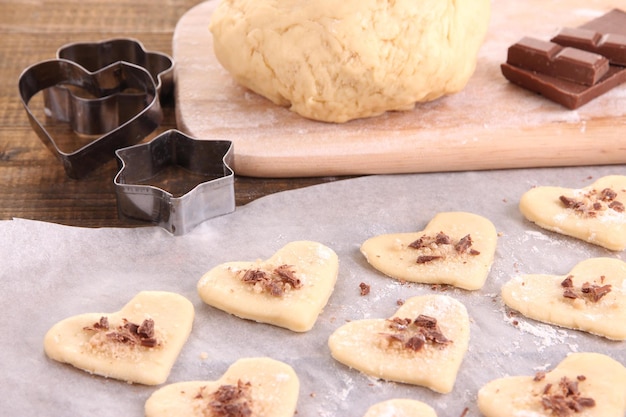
<point>365,289</point>
<point>567,282</point>
<point>427,258</point>
<point>565,93</point>
<point>551,59</point>
<point>610,45</point>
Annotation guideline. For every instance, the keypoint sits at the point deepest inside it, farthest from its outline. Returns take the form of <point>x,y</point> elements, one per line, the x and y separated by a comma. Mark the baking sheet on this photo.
<point>50,272</point>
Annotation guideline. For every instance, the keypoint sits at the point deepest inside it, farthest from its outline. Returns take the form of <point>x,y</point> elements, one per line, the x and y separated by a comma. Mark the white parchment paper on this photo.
<point>49,272</point>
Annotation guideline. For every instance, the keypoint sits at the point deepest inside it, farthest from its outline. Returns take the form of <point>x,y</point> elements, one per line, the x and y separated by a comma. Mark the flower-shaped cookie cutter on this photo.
<point>95,116</point>
<point>209,194</point>
<point>101,84</point>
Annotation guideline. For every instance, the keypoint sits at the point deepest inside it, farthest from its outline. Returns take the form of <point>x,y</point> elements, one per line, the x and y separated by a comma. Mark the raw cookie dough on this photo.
<point>289,290</point>
<point>457,260</point>
<point>336,61</point>
<point>260,386</point>
<point>400,408</point>
<point>571,211</point>
<point>111,345</point>
<point>422,353</point>
<point>588,376</point>
<point>590,298</point>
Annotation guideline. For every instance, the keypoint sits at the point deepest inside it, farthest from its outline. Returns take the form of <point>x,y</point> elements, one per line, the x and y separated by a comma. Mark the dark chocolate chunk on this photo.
<point>610,45</point>
<point>551,59</point>
<point>427,258</point>
<point>416,343</point>
<point>566,93</point>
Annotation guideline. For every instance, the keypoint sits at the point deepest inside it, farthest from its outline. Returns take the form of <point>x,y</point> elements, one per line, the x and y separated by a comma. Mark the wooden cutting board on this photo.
<point>490,124</point>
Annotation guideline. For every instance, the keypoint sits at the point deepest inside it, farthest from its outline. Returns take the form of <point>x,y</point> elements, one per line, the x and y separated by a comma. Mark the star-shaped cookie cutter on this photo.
<point>94,116</point>
<point>103,85</point>
<point>211,193</point>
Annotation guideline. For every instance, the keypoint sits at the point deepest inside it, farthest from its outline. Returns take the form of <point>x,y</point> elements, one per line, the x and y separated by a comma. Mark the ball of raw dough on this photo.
<point>337,60</point>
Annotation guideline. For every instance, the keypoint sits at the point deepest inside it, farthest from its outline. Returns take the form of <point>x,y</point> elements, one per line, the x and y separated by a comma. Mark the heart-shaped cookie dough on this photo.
<point>400,407</point>
<point>594,214</point>
<point>139,343</point>
<point>455,248</point>
<point>592,383</point>
<point>250,387</point>
<point>422,344</point>
<point>288,290</point>
<point>590,298</point>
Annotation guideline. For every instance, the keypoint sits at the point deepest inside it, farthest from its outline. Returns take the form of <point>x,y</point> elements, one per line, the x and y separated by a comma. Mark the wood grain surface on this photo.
<point>33,184</point>
<point>490,124</point>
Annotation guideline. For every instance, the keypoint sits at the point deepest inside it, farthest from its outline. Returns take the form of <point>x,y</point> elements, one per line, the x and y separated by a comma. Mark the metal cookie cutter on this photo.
<point>92,117</point>
<point>206,162</point>
<point>104,83</point>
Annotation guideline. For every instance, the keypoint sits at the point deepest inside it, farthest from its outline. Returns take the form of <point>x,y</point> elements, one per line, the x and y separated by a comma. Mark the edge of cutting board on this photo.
<point>270,141</point>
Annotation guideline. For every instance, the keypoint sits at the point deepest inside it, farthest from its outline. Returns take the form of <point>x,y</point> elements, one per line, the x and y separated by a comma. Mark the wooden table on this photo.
<point>33,184</point>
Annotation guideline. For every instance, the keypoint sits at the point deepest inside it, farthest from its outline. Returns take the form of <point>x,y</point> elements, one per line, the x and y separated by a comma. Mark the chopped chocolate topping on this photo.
<point>442,239</point>
<point>617,206</point>
<point>569,293</point>
<point>287,276</point>
<point>102,324</point>
<point>228,400</point>
<point>586,402</point>
<point>567,282</point>
<point>275,283</point>
<point>397,323</point>
<point>414,334</point>
<point>418,244</point>
<point>591,292</point>
<point>539,376</point>
<point>146,330</point>
<point>129,333</point>
<point>566,398</point>
<point>569,202</point>
<point>365,289</point>
<point>254,276</point>
<point>415,343</point>
<point>547,389</point>
<point>595,292</point>
<point>441,246</point>
<point>593,202</point>
<point>464,245</point>
<point>607,195</point>
<point>426,321</point>
<point>427,258</point>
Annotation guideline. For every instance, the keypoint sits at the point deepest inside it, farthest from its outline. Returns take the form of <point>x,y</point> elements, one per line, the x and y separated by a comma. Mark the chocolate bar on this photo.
<point>551,59</point>
<point>566,93</point>
<point>610,45</point>
<point>552,84</point>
